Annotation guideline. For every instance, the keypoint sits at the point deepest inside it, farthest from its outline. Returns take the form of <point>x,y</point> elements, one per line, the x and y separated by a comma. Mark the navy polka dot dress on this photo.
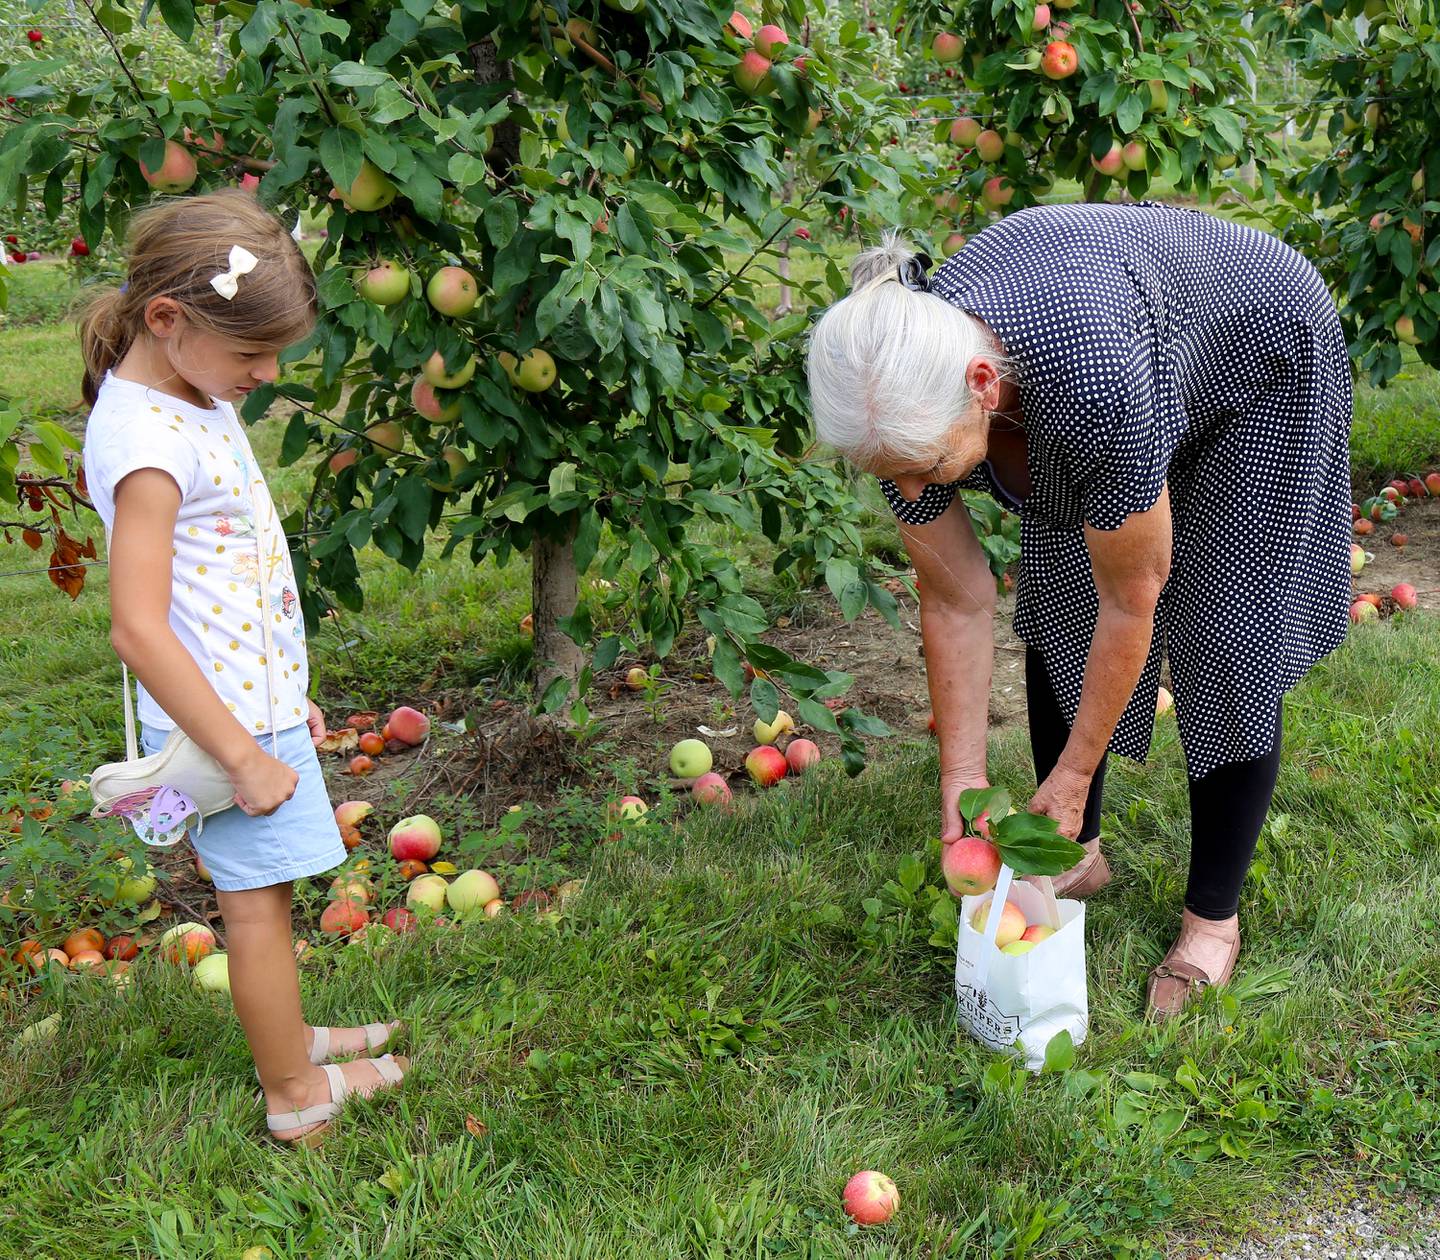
<point>1158,344</point>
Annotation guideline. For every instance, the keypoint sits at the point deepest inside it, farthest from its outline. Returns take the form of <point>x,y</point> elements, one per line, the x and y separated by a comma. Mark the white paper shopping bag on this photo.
<point>1011,1001</point>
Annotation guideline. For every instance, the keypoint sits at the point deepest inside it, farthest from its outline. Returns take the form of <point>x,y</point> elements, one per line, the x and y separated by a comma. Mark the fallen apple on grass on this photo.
<point>1363,610</point>
<point>766,765</point>
<point>408,725</point>
<point>471,890</point>
<point>427,891</point>
<point>212,973</point>
<point>399,919</point>
<point>801,754</point>
<point>1404,595</point>
<point>870,1198</point>
<point>1358,557</point>
<point>187,943</point>
<point>85,959</point>
<point>971,865</point>
<point>1164,702</point>
<point>343,917</point>
<point>371,744</point>
<point>83,940</point>
<point>769,732</point>
<point>711,789</point>
<point>415,837</point>
<point>121,949</point>
<point>691,758</point>
<point>412,868</point>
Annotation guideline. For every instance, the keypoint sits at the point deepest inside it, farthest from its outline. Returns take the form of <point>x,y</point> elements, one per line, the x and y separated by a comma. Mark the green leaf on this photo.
<point>976,801</point>
<point>765,698</point>
<point>1130,1109</point>
<point>341,152</point>
<point>555,694</point>
<point>296,441</point>
<point>815,714</point>
<point>502,218</point>
<point>1059,1052</point>
<point>1031,844</point>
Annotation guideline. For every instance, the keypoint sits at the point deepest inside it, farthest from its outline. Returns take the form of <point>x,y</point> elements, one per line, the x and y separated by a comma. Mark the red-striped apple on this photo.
<point>870,1198</point>
<point>801,754</point>
<point>415,837</point>
<point>766,765</point>
<point>711,789</point>
<point>1012,922</point>
<point>971,865</point>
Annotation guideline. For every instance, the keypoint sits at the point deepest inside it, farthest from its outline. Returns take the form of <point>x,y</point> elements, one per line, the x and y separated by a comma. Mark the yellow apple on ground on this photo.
<point>690,758</point>
<point>427,891</point>
<point>471,890</point>
<point>213,973</point>
<point>769,732</point>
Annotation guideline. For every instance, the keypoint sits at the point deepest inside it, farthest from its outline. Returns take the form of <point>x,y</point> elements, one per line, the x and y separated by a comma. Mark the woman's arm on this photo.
<point>957,616</point>
<point>147,503</point>
<point>1130,566</point>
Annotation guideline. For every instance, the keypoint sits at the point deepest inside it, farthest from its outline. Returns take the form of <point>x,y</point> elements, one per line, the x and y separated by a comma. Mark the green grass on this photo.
<point>724,1027</point>
<point>727,1025</point>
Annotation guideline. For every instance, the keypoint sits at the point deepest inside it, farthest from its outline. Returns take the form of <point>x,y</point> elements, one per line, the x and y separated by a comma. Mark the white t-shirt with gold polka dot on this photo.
<point>215,596</point>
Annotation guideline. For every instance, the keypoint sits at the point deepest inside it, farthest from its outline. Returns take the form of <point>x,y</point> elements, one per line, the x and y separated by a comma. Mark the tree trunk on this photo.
<point>490,69</point>
<point>554,592</point>
<point>784,265</point>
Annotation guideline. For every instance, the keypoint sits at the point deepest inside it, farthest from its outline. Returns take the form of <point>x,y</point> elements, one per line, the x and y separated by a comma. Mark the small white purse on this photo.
<point>160,795</point>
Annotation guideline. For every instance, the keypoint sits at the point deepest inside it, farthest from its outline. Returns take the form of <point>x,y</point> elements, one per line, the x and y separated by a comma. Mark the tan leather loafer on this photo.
<point>1087,877</point>
<point>1174,984</point>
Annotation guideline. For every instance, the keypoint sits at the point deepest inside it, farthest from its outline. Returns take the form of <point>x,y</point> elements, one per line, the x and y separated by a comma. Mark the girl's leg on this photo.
<point>1048,733</point>
<point>265,989</point>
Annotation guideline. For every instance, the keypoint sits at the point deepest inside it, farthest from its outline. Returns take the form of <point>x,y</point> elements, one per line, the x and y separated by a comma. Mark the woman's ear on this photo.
<point>983,378</point>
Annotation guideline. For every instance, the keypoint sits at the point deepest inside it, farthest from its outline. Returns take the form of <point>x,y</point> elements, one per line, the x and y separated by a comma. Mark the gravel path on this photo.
<point>1352,1224</point>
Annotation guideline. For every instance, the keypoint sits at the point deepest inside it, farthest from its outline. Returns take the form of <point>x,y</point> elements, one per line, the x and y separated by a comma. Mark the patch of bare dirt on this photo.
<point>1417,562</point>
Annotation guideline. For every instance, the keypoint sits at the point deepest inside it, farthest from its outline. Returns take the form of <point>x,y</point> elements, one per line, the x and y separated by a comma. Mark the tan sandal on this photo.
<point>376,1035</point>
<point>1174,984</point>
<point>1087,877</point>
<point>392,1072</point>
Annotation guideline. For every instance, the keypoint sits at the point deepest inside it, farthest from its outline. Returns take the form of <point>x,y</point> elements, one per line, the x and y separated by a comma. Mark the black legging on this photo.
<point>1227,806</point>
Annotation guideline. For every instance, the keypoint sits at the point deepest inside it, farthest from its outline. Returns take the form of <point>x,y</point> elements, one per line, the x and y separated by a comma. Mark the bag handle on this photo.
<point>1043,884</point>
<point>132,750</point>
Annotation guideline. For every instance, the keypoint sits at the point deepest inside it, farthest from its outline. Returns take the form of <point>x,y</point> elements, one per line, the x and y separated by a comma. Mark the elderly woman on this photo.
<point>1164,397</point>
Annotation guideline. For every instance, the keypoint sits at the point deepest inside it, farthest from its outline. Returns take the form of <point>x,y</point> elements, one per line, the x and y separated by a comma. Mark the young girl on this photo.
<point>197,324</point>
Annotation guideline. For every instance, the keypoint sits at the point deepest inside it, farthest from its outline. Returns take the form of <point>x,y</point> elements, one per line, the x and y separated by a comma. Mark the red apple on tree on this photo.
<point>752,74</point>
<point>176,173</point>
<point>1059,60</point>
<point>990,145</point>
<point>770,40</point>
<point>947,46</point>
<point>1111,162</point>
<point>452,291</point>
<point>386,283</point>
<point>965,131</point>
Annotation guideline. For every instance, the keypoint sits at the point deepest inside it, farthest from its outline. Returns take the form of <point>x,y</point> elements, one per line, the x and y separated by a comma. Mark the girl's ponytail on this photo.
<point>105,336</point>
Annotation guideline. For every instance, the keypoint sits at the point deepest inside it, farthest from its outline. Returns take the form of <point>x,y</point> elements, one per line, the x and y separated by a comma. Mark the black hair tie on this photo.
<point>912,273</point>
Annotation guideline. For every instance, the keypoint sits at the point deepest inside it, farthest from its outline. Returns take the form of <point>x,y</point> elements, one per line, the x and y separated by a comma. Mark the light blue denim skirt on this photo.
<point>300,838</point>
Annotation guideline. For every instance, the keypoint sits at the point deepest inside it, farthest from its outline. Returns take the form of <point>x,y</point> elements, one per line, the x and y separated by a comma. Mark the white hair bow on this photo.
<point>227,283</point>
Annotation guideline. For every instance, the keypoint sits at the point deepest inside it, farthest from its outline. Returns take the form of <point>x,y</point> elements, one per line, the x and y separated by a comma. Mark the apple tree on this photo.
<point>1365,209</point>
<point>543,326</point>
<point>1101,92</point>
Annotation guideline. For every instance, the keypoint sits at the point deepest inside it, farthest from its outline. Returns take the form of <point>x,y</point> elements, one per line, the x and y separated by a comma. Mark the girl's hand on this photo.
<point>263,783</point>
<point>952,783</point>
<point>1062,796</point>
<point>316,722</point>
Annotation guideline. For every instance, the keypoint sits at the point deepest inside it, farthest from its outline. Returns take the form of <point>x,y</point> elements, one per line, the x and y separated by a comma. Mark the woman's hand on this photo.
<point>952,783</point>
<point>316,722</point>
<point>1062,796</point>
<point>263,783</point>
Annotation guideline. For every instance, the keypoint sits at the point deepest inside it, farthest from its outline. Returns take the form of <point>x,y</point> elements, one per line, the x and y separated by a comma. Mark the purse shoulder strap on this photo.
<point>132,750</point>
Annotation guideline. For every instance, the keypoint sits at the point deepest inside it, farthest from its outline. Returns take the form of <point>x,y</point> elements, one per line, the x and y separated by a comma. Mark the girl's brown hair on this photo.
<point>174,250</point>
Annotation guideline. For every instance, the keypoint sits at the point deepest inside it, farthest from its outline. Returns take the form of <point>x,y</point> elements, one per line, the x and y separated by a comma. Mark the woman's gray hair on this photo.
<point>887,363</point>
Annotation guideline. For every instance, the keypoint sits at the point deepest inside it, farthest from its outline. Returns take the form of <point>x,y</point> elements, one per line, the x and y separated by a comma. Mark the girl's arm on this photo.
<point>147,503</point>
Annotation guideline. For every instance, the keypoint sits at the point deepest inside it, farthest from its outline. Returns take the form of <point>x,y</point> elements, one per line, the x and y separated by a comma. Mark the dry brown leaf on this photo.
<point>475,1127</point>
